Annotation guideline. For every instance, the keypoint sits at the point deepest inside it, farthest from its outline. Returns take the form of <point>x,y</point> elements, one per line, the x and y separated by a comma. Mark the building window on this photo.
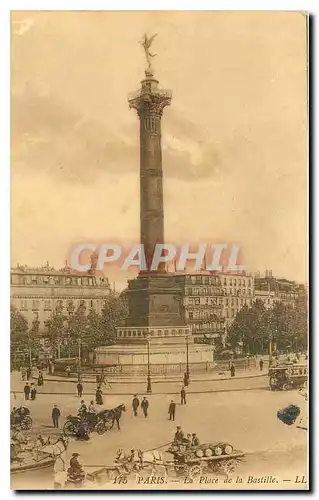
<point>24,305</point>
<point>35,304</point>
<point>47,305</point>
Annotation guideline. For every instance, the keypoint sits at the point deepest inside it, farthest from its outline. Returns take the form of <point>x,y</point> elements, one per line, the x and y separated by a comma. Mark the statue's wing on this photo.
<point>152,38</point>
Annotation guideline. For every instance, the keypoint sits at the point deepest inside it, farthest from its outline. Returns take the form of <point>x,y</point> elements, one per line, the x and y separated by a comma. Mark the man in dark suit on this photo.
<point>55,416</point>
<point>171,410</point>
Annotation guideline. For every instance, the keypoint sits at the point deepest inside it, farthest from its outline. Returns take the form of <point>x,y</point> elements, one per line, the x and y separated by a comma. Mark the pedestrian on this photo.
<point>26,391</point>
<point>144,406</point>
<point>55,416</point>
<point>33,392</point>
<point>186,379</point>
<point>59,471</point>
<point>183,396</point>
<point>80,389</point>
<point>98,396</point>
<point>232,370</point>
<point>68,371</point>
<point>75,472</point>
<point>23,374</point>
<point>171,411</point>
<point>261,364</point>
<point>28,373</point>
<point>135,405</point>
<point>40,378</point>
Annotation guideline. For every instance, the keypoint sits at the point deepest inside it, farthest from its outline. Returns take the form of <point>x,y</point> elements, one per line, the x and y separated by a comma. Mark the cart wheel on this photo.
<point>218,451</point>
<point>181,469</point>
<point>26,423</point>
<point>107,425</point>
<point>100,428</point>
<point>285,387</point>
<point>195,471</point>
<point>69,429</point>
<point>229,466</point>
<point>228,449</point>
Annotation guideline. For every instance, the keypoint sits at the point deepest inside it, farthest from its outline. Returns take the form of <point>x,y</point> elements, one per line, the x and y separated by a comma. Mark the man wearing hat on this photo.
<point>75,471</point>
<point>195,440</point>
<point>55,416</point>
<point>179,434</point>
<point>171,410</point>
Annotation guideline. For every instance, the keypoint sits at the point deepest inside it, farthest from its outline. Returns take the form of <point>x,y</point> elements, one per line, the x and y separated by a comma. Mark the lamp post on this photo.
<point>187,362</point>
<point>79,359</point>
<point>149,385</point>
<point>270,348</point>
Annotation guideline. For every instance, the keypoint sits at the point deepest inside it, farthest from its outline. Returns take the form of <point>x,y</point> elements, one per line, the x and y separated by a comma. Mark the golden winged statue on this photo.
<point>146,43</point>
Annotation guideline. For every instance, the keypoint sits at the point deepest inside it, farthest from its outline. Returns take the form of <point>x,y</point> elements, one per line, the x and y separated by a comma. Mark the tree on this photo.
<point>93,334</point>
<point>18,327</point>
<point>113,315</point>
<point>56,329</point>
<point>287,325</point>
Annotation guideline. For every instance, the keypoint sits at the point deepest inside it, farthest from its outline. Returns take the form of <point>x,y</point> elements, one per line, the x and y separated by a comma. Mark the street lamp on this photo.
<point>187,361</point>
<point>270,348</point>
<point>79,359</point>
<point>149,385</point>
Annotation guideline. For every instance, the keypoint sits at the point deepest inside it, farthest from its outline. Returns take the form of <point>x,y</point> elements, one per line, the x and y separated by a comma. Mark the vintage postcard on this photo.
<point>159,259</point>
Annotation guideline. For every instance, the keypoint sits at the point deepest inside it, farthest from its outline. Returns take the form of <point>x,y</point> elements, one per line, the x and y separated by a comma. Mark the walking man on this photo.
<point>144,406</point>
<point>183,396</point>
<point>261,364</point>
<point>232,370</point>
<point>135,405</point>
<point>80,389</point>
<point>55,416</point>
<point>33,392</point>
<point>171,410</point>
<point>26,391</point>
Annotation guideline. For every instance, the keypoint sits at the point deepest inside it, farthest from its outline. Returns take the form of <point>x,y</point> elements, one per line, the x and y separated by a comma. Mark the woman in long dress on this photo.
<point>98,396</point>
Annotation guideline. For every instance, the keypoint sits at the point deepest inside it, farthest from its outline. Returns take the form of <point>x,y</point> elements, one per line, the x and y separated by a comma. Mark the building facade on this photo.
<point>271,290</point>
<point>238,291</point>
<point>203,305</point>
<point>39,292</point>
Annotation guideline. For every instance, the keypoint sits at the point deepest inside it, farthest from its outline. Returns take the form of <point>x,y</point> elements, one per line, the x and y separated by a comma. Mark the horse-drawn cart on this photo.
<point>188,461</point>
<point>210,457</point>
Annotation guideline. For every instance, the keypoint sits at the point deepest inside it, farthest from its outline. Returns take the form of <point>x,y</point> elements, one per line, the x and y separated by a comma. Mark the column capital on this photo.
<point>149,100</point>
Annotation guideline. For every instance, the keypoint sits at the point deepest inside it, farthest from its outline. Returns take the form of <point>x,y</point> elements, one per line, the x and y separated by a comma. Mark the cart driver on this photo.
<point>179,434</point>
<point>195,440</point>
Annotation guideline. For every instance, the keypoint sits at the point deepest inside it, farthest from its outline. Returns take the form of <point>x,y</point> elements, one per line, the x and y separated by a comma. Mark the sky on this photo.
<point>234,139</point>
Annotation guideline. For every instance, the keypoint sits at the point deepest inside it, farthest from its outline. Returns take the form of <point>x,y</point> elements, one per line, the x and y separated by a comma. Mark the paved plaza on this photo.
<point>247,419</point>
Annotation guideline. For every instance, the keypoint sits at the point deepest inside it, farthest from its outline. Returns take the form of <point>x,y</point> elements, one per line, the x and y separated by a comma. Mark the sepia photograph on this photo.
<point>159,250</point>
